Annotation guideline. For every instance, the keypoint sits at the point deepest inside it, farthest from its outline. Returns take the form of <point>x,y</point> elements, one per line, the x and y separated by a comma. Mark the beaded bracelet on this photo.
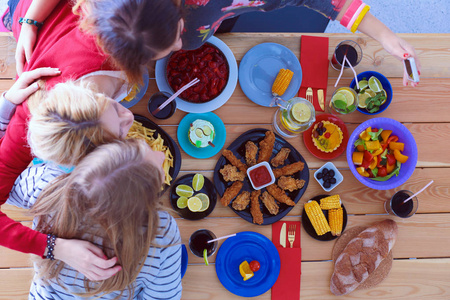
<point>30,22</point>
<point>360,18</point>
<point>350,12</point>
<point>51,239</point>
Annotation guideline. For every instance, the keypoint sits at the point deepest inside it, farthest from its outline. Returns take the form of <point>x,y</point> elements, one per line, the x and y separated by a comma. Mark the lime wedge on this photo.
<point>205,256</point>
<point>205,201</point>
<point>300,112</point>
<point>184,191</point>
<point>198,181</point>
<point>385,95</point>
<point>182,202</point>
<point>194,204</point>
<point>375,84</point>
<point>370,92</point>
<point>363,84</point>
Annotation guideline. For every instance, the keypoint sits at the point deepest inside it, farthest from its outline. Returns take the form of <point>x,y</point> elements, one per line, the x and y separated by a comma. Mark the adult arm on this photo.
<point>391,42</point>
<point>39,10</point>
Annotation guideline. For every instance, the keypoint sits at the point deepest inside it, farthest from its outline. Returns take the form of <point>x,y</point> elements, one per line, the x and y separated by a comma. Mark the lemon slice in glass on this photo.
<point>205,201</point>
<point>348,96</point>
<point>194,204</point>
<point>197,182</point>
<point>300,112</point>
<point>182,202</point>
<point>375,84</point>
<point>246,272</point>
<point>184,190</point>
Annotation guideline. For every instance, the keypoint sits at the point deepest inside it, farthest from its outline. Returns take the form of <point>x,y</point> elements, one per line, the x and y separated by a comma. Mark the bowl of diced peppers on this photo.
<point>382,153</point>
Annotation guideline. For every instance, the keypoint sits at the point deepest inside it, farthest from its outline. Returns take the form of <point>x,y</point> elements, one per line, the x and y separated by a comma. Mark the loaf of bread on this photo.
<point>362,255</point>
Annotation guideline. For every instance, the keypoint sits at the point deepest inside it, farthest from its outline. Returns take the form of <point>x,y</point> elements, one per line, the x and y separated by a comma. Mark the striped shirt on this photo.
<point>160,276</point>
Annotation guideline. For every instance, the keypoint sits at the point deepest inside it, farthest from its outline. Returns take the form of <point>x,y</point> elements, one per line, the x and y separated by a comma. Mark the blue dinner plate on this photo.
<point>248,246</point>
<point>189,148</point>
<point>259,68</point>
<point>140,94</point>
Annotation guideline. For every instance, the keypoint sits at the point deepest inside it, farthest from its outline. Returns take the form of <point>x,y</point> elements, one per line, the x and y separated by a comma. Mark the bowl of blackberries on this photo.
<point>328,176</point>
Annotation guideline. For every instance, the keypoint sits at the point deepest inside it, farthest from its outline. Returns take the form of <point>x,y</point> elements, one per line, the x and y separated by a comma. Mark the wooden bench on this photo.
<point>425,238</point>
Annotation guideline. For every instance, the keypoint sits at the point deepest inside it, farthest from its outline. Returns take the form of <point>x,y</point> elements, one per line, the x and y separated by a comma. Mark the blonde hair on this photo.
<point>112,195</point>
<point>65,122</point>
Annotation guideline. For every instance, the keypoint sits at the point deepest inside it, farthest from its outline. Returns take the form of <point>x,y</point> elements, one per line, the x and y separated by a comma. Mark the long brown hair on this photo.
<point>111,196</point>
<point>132,32</point>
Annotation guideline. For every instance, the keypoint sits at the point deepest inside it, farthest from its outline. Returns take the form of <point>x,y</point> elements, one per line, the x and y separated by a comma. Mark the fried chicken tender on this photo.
<point>231,192</point>
<point>270,203</point>
<point>255,210</point>
<point>266,147</point>
<point>234,160</point>
<point>231,173</point>
<point>290,183</point>
<point>250,153</point>
<point>281,156</point>
<point>241,201</point>
<point>279,195</point>
<point>288,169</point>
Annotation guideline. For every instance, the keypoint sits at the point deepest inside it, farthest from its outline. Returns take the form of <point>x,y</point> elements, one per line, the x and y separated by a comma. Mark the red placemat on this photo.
<point>314,62</point>
<point>287,285</point>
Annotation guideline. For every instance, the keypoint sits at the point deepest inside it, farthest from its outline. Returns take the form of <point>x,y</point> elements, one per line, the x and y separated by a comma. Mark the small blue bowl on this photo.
<point>386,86</point>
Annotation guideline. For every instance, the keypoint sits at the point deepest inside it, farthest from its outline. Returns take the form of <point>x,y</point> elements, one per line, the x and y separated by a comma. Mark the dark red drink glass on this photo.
<point>396,207</point>
<point>351,50</point>
<point>199,241</point>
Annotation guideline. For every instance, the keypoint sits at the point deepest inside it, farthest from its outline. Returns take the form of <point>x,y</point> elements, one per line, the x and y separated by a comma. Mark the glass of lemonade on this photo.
<point>293,117</point>
<point>343,101</point>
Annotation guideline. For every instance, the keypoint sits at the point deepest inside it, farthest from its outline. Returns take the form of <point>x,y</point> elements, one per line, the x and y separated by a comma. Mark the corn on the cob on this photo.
<point>330,202</point>
<point>336,219</point>
<point>317,218</point>
<point>282,81</point>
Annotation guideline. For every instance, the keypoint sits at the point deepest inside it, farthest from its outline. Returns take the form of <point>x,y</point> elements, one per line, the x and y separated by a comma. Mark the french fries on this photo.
<point>139,131</point>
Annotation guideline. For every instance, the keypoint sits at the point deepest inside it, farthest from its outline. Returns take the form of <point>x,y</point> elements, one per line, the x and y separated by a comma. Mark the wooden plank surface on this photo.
<point>426,236</point>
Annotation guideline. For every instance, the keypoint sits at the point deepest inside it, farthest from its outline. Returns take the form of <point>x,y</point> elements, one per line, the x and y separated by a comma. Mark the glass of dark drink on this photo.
<point>199,241</point>
<point>347,48</point>
<point>156,100</point>
<point>396,207</point>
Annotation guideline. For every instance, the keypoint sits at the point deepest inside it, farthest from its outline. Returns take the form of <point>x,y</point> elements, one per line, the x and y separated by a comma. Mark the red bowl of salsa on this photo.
<point>207,63</point>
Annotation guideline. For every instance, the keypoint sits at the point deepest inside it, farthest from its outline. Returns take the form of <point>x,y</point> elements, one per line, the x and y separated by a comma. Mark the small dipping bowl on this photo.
<point>261,175</point>
<point>156,100</point>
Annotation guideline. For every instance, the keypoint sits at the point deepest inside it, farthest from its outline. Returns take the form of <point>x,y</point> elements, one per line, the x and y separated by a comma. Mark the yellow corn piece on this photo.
<point>330,202</point>
<point>336,219</point>
<point>317,218</point>
<point>282,81</point>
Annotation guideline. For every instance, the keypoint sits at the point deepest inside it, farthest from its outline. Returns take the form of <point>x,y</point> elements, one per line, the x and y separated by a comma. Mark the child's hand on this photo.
<point>26,85</point>
<point>25,46</point>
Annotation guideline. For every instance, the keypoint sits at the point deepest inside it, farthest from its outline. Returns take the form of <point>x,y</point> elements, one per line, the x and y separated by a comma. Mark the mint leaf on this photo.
<point>340,104</point>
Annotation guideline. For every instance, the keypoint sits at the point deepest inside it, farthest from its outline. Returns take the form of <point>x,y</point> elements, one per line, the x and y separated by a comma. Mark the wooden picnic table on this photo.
<point>421,267</point>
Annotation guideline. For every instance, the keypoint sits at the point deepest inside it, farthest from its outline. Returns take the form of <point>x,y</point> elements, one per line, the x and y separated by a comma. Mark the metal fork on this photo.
<point>291,234</point>
<point>309,95</point>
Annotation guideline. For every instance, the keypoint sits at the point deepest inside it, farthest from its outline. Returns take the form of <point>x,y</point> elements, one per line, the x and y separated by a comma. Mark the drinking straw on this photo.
<point>221,238</point>
<point>354,73</point>
<point>418,192</point>
<point>185,87</point>
<point>342,70</point>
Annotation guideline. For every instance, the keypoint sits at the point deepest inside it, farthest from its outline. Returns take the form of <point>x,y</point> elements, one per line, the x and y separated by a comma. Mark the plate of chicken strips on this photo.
<point>267,205</point>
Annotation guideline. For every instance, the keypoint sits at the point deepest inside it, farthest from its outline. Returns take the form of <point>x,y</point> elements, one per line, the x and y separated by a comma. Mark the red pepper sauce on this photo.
<point>260,176</point>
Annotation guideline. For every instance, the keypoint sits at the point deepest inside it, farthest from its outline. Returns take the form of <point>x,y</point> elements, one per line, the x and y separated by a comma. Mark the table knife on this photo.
<point>320,97</point>
<point>283,235</point>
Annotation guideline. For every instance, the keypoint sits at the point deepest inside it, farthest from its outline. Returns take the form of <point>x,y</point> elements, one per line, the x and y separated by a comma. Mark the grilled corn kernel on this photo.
<point>330,202</point>
<point>282,81</point>
<point>336,220</point>
<point>317,218</point>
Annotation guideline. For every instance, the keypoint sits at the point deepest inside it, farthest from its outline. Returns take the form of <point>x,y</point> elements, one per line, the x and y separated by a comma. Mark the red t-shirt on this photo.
<point>59,44</point>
